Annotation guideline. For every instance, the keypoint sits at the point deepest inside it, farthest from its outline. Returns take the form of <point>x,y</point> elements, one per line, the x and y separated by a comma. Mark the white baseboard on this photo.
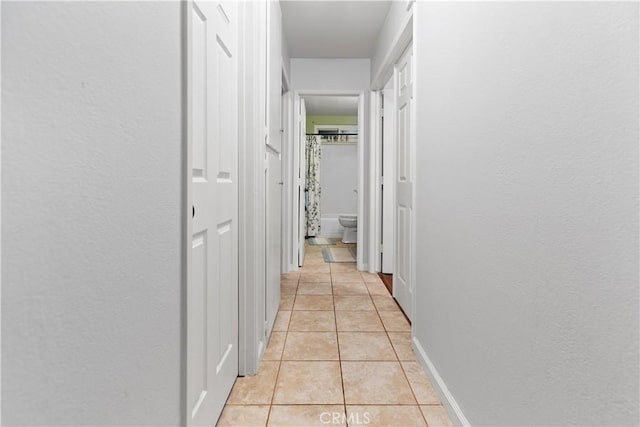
<point>448,401</point>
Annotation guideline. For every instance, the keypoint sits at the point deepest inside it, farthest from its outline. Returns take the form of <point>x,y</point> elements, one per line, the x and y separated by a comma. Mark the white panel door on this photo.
<point>402,279</point>
<point>388,177</point>
<point>212,304</point>
<point>302,185</point>
<point>273,178</point>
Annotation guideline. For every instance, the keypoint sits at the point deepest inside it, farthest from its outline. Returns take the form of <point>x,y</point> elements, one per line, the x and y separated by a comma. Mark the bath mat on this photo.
<point>339,254</point>
<point>321,241</point>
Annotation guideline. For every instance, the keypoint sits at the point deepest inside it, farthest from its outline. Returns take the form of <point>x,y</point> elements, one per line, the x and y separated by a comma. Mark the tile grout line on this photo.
<point>401,366</point>
<point>335,317</point>
<point>403,370</point>
<point>386,331</point>
<point>284,344</point>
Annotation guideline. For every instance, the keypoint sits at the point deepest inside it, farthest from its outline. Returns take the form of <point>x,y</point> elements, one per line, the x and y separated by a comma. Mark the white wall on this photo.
<point>393,36</point>
<point>527,209</point>
<point>91,188</point>
<point>286,59</point>
<point>338,179</point>
<point>330,74</point>
<point>339,74</point>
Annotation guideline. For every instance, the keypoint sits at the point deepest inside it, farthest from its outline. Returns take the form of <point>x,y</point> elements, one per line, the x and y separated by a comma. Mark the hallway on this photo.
<point>165,164</point>
<point>340,342</point>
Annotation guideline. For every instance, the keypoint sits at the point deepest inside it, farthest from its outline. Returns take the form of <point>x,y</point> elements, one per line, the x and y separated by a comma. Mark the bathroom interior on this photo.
<point>332,170</point>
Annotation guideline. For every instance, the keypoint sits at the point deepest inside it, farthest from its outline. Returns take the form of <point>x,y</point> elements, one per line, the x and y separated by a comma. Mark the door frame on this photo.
<point>404,38</point>
<point>252,116</point>
<point>287,168</point>
<point>362,137</point>
<point>375,178</point>
<point>389,164</point>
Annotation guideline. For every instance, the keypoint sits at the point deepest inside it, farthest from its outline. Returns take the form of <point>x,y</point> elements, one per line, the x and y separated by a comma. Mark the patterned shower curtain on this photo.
<point>313,186</point>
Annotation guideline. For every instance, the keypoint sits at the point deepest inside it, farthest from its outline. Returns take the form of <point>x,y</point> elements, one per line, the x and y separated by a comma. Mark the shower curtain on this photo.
<point>313,186</point>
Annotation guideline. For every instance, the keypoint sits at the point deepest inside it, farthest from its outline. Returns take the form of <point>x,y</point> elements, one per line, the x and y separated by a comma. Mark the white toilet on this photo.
<point>350,224</point>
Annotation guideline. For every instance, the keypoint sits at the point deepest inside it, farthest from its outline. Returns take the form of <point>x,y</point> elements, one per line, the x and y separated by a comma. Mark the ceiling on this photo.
<point>332,29</point>
<point>331,105</point>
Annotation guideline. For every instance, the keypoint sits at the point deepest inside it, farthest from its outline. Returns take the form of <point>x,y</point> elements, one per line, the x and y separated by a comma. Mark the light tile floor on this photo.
<point>340,354</point>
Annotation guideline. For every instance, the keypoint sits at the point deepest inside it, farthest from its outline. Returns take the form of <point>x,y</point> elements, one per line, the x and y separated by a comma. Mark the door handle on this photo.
<point>193,211</point>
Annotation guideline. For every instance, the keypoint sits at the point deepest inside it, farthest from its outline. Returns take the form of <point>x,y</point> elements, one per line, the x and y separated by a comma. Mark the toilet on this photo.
<point>350,224</point>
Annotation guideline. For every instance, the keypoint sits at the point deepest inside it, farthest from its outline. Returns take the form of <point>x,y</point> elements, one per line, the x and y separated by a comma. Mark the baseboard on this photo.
<point>448,401</point>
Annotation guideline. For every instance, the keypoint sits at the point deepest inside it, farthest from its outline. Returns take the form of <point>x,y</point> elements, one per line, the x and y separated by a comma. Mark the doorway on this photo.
<point>395,170</point>
<point>404,267</point>
<point>328,157</point>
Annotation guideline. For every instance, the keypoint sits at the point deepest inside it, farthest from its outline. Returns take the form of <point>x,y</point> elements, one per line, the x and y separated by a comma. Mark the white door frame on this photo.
<point>273,158</point>
<point>299,164</point>
<point>375,178</point>
<point>252,116</point>
<point>287,168</point>
<point>362,138</point>
<point>402,40</point>
<point>388,167</point>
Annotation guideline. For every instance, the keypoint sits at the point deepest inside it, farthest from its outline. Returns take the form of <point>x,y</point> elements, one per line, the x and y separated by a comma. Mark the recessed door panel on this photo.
<point>197,316</point>
<point>199,97</point>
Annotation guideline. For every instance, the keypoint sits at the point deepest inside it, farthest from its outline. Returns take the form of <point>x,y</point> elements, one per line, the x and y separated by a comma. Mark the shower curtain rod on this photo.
<point>333,134</point>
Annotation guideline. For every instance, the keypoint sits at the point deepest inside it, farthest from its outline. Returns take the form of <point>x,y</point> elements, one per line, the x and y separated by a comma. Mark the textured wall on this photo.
<point>91,154</point>
<point>527,209</point>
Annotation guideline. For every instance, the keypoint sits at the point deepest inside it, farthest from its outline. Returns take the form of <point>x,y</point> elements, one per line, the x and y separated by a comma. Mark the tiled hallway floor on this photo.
<point>340,351</point>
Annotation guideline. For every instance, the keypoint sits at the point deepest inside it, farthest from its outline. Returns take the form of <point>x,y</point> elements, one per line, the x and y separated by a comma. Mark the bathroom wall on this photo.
<point>527,208</point>
<point>329,120</point>
<point>338,180</point>
<point>338,177</point>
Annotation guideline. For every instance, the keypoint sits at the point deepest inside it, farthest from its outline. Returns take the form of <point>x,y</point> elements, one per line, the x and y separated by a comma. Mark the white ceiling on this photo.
<point>331,105</point>
<point>332,29</point>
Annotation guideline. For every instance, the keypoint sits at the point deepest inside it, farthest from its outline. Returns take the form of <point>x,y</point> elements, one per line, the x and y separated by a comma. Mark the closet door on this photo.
<point>212,287</point>
<point>403,273</point>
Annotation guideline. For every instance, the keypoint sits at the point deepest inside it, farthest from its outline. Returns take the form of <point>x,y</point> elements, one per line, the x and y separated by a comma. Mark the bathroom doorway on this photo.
<point>330,162</point>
